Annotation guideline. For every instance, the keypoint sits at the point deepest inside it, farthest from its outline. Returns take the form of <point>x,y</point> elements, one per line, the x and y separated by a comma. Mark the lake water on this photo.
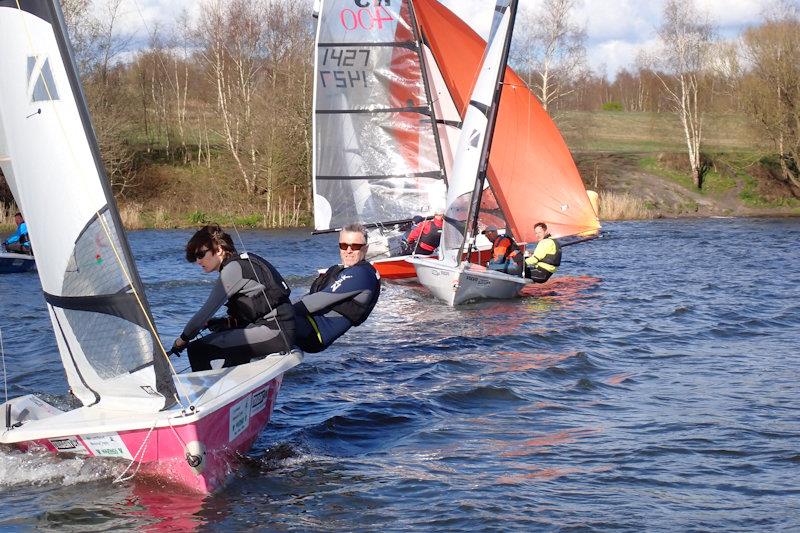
<point>651,386</point>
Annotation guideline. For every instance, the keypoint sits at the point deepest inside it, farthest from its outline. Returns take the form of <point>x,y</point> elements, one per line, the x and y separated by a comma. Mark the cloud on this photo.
<point>617,30</point>
<point>139,18</point>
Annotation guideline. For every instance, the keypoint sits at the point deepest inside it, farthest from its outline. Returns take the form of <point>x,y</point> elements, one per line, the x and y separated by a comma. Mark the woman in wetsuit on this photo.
<point>260,317</point>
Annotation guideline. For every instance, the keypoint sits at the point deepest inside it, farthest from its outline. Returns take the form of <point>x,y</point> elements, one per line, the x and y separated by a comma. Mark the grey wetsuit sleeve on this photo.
<point>229,283</point>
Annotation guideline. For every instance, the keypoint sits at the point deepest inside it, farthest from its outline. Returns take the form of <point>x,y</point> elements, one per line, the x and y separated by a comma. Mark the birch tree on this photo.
<point>551,50</point>
<point>231,33</point>
<point>772,88</point>
<point>686,37</point>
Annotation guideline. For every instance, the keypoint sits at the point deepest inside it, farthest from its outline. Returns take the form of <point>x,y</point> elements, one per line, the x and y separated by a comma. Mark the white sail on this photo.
<point>474,131</point>
<point>375,150</point>
<point>95,297</point>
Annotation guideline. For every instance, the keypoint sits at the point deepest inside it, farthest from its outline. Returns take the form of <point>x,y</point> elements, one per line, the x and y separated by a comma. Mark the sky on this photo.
<point>616,30</point>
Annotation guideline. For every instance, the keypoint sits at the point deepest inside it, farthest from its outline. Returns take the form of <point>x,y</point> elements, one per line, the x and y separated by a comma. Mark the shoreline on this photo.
<point>4,228</point>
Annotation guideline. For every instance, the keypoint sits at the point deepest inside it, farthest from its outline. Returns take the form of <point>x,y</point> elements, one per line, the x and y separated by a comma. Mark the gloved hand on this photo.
<point>221,324</point>
<point>177,347</point>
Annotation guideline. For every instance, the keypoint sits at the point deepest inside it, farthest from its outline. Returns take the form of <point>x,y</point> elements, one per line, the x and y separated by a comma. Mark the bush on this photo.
<point>612,106</point>
<point>198,217</point>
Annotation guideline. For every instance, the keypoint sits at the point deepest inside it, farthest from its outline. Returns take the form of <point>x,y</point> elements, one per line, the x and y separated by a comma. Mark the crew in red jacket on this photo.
<point>425,236</point>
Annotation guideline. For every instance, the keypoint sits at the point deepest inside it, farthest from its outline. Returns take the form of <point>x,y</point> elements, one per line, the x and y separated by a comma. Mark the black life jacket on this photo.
<point>553,259</point>
<point>251,309</point>
<point>352,310</point>
<point>430,241</point>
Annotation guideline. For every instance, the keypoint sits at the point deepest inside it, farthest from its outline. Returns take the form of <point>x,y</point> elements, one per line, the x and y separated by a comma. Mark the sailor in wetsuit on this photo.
<point>18,242</point>
<point>341,298</point>
<point>260,318</point>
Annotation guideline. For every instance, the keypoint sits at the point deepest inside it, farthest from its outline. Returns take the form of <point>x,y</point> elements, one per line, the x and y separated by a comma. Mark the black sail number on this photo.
<point>344,68</point>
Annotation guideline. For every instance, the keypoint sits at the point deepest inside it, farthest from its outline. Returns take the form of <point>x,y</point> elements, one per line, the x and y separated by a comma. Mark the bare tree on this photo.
<point>551,50</point>
<point>681,64</point>
<point>772,87</point>
<point>232,36</point>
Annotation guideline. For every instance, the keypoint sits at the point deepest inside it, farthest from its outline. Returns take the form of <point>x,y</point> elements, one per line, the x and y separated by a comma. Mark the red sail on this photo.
<point>531,170</point>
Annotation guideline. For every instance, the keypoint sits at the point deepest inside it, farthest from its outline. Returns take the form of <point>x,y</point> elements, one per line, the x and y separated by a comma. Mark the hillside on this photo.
<point>640,156</point>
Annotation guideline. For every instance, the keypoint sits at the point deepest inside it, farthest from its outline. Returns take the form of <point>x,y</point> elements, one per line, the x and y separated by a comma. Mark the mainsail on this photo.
<point>531,171</point>
<point>104,329</point>
<point>376,154</point>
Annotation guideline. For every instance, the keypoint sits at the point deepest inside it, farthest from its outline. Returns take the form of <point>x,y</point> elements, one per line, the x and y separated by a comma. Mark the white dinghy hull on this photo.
<point>458,284</point>
<point>194,448</point>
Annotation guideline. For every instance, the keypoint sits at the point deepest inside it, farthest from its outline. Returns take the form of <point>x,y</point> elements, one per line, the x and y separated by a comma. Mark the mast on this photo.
<point>474,207</point>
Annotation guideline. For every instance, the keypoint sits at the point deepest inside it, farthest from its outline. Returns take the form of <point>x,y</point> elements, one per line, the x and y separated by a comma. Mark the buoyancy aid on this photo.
<point>547,255</point>
<point>250,309</point>
<point>510,251</point>
<point>431,235</point>
<point>352,310</point>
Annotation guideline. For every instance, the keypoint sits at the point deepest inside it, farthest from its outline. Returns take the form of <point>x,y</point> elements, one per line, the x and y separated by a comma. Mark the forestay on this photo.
<point>376,155</point>
<point>101,319</point>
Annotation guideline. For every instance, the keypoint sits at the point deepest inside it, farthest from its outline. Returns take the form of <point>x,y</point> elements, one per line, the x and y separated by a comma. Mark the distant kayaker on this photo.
<point>260,318</point>
<point>424,238</point>
<point>341,298</point>
<point>546,257</point>
<point>18,242</point>
<point>506,255</point>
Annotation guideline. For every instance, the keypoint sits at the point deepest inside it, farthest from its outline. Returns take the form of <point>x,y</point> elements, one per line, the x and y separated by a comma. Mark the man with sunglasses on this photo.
<point>341,298</point>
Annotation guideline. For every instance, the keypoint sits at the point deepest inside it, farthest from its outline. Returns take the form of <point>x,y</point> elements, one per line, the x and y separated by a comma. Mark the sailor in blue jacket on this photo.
<point>341,298</point>
<point>18,242</point>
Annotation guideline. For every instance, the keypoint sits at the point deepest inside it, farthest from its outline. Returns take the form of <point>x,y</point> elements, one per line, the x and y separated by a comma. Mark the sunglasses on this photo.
<point>354,245</point>
<point>201,253</point>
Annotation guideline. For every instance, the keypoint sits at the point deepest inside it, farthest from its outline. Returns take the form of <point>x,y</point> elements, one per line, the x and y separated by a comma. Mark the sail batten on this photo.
<point>376,155</point>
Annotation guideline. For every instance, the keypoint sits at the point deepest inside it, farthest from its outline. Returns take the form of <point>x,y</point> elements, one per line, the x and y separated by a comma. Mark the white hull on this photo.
<point>466,282</point>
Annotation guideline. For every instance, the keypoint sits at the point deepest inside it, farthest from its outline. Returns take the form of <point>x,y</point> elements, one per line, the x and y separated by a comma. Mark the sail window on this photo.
<point>40,76</point>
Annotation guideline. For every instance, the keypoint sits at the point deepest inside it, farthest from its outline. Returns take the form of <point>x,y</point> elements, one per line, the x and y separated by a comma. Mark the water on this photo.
<point>651,385</point>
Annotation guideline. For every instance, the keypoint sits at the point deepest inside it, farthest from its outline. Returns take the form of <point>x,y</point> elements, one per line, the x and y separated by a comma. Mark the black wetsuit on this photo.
<point>261,313</point>
<point>339,299</point>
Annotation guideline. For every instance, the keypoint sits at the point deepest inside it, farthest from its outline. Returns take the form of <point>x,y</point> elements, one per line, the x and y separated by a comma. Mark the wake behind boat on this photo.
<point>129,402</point>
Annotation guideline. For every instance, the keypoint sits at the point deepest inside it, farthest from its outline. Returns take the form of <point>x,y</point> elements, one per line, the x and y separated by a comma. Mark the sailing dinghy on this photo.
<point>380,155</point>
<point>129,403</point>
<point>508,140</point>
<point>13,263</point>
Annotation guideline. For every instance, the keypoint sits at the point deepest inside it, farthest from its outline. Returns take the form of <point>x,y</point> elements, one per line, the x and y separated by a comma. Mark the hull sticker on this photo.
<point>239,418</point>
<point>107,445</point>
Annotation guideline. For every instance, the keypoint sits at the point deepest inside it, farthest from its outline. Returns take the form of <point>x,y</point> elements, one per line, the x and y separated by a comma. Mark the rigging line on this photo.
<point>75,162</point>
<point>3,355</point>
<point>136,458</point>
<point>263,291</point>
<point>152,35</point>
